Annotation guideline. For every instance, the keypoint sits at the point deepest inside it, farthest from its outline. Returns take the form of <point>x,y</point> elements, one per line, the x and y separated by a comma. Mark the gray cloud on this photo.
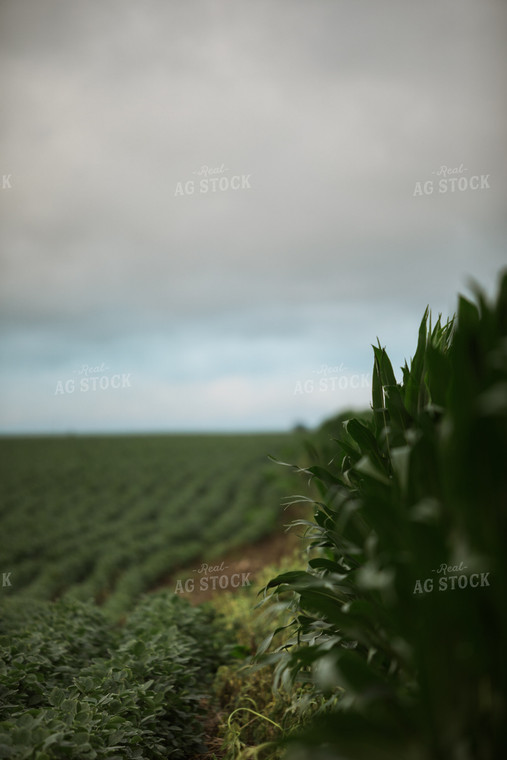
<point>333,111</point>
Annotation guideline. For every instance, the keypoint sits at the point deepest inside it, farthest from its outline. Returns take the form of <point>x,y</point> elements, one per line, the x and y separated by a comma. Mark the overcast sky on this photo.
<point>314,127</point>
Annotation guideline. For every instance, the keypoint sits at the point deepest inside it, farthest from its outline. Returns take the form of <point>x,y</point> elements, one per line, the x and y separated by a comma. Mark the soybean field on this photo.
<point>108,517</point>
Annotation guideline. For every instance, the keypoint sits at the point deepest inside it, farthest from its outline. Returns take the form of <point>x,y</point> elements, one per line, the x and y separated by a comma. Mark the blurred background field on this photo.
<point>111,517</point>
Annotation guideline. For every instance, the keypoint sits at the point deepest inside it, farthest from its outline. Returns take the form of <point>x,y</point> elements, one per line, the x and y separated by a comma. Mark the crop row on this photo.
<point>109,517</point>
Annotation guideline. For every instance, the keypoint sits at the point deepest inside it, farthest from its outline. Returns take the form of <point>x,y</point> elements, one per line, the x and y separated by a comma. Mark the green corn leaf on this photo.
<point>319,563</point>
<point>439,375</point>
<point>413,393</point>
<point>362,436</point>
<point>291,577</point>
<point>366,466</point>
<point>377,395</point>
<point>398,417</point>
<point>324,475</point>
<point>387,376</point>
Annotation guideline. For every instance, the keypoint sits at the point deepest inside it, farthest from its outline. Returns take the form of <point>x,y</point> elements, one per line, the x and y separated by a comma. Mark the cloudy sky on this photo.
<point>215,207</point>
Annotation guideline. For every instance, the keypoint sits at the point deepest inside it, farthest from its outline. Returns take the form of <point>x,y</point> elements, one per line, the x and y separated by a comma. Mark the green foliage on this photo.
<point>251,716</point>
<point>415,493</point>
<point>110,517</point>
<point>74,686</point>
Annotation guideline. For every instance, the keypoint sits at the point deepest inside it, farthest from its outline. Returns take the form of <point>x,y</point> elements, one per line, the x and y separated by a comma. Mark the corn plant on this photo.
<point>399,620</point>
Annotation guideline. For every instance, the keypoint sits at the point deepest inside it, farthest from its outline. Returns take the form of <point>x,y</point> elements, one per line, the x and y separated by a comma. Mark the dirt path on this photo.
<point>203,579</point>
